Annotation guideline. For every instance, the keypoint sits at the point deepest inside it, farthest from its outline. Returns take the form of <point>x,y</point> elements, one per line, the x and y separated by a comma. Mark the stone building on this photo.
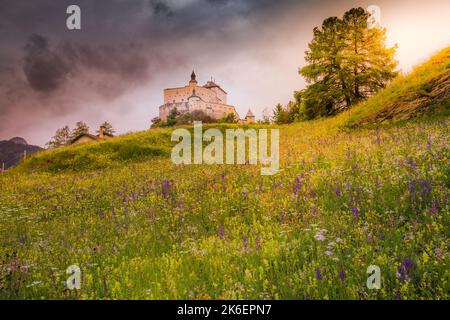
<point>209,98</point>
<point>249,118</point>
<point>87,137</point>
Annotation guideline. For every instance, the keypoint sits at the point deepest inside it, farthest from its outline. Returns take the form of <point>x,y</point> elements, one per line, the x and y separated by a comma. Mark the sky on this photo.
<point>115,68</point>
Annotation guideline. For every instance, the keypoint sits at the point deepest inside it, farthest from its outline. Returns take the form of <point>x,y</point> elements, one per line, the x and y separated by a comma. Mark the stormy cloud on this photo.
<point>45,70</point>
<point>127,52</point>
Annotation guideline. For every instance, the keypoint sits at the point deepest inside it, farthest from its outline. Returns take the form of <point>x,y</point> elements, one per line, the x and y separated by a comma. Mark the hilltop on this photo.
<point>425,92</point>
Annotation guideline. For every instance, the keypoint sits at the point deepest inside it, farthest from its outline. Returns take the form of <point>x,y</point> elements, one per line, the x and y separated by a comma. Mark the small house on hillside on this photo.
<point>87,137</point>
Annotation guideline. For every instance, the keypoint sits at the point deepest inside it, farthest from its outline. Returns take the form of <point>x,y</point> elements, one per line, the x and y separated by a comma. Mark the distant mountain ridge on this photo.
<point>12,151</point>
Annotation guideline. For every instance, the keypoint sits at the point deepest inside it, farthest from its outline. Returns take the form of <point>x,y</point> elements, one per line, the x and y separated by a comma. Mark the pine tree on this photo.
<point>229,118</point>
<point>346,62</point>
<point>61,138</point>
<point>80,128</point>
<point>280,115</point>
<point>108,128</point>
<point>172,117</point>
<point>370,64</point>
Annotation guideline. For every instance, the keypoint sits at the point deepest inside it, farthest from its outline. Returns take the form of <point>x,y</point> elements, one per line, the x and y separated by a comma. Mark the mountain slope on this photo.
<point>12,151</point>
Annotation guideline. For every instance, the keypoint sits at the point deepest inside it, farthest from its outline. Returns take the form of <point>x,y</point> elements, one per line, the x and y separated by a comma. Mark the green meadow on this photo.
<point>353,191</point>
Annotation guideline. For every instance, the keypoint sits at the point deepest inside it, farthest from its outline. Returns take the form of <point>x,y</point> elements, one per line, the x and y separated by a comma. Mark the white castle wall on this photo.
<point>213,100</point>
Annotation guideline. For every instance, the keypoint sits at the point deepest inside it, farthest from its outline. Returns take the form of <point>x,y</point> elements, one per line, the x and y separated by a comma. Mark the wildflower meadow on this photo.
<point>146,228</point>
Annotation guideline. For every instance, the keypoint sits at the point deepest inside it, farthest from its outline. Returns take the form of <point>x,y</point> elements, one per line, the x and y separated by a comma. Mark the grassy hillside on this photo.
<point>118,151</point>
<point>423,92</point>
<point>141,227</point>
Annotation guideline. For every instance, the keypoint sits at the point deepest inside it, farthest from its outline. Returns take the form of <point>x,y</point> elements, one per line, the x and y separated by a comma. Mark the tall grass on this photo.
<point>153,230</point>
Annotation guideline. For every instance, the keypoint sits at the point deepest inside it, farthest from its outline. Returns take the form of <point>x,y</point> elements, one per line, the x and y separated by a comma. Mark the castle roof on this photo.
<point>211,84</point>
<point>249,114</point>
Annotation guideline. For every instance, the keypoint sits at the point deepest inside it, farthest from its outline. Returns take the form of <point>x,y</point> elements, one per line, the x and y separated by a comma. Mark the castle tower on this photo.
<point>250,117</point>
<point>193,81</point>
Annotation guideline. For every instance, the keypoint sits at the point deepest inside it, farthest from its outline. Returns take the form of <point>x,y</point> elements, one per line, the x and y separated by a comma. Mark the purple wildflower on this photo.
<point>355,212</point>
<point>319,236</point>
<point>342,275</point>
<point>408,264</point>
<point>319,275</point>
<point>378,141</point>
<point>400,271</point>
<point>412,164</point>
<point>426,189</point>
<point>297,185</point>
<point>165,187</point>
<point>298,181</point>
<point>338,192</point>
<point>221,232</point>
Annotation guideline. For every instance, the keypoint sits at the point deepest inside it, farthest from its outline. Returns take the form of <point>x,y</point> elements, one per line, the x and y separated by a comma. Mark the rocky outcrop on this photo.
<point>424,101</point>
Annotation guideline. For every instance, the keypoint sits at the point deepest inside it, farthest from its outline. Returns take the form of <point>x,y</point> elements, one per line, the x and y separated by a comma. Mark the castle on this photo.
<point>210,98</point>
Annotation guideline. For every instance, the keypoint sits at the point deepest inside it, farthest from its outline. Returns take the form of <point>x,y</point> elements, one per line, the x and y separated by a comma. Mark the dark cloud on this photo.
<point>51,73</point>
<point>45,70</point>
<point>49,68</point>
<point>120,42</point>
<point>128,62</point>
<point>218,2</point>
<point>161,8</point>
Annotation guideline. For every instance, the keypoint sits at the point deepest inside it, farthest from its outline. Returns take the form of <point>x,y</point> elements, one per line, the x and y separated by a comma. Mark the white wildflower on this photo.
<point>319,237</point>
